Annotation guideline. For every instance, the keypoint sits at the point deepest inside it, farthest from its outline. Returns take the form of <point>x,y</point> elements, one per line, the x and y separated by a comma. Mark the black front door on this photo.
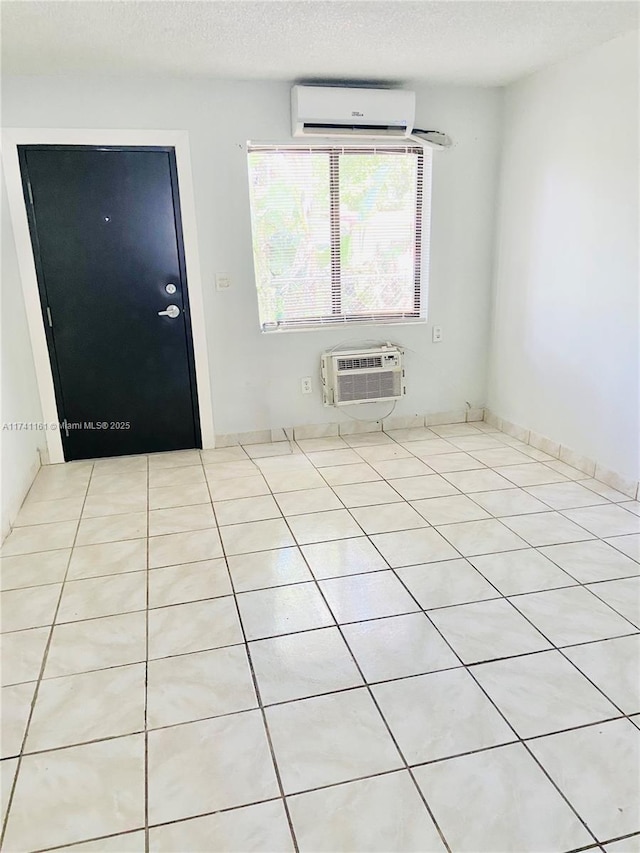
<point>107,242</point>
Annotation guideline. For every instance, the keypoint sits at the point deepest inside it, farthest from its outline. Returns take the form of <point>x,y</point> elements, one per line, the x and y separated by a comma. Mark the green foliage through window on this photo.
<point>338,233</point>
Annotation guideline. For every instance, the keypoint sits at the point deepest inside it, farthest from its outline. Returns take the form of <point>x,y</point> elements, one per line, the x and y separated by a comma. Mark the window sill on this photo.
<point>347,324</point>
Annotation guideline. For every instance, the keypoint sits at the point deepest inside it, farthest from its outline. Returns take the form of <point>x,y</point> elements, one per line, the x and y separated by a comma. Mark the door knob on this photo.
<point>171,311</point>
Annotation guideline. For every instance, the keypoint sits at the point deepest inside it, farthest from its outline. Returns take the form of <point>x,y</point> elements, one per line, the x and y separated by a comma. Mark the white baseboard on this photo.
<point>11,504</point>
<point>351,427</point>
<point>591,467</point>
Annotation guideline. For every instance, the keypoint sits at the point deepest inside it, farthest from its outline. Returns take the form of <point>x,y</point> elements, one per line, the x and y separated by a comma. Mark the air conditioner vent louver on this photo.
<point>362,376</point>
<point>359,363</point>
<point>369,386</point>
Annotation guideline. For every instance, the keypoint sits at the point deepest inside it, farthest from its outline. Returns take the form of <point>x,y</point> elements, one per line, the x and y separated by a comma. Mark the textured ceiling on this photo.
<point>455,41</point>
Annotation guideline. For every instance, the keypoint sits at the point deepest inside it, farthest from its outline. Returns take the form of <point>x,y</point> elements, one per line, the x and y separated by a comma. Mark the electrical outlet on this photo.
<point>436,334</point>
<point>305,385</point>
<point>223,281</point>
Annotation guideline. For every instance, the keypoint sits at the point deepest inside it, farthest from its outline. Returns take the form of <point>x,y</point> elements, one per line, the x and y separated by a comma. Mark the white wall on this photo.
<point>565,346</point>
<point>256,377</point>
<point>19,400</point>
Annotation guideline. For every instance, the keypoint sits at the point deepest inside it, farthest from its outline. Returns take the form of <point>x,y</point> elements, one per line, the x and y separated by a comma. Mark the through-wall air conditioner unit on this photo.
<point>362,376</point>
<point>342,111</point>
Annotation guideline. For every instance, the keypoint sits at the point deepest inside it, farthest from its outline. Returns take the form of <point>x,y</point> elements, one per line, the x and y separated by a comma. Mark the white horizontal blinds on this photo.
<point>423,235</point>
<point>334,212</point>
<point>418,234</point>
<point>289,191</point>
<point>337,232</point>
<point>378,233</point>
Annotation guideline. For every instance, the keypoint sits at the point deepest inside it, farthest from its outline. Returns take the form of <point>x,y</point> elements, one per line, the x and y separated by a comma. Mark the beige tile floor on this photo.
<point>425,640</point>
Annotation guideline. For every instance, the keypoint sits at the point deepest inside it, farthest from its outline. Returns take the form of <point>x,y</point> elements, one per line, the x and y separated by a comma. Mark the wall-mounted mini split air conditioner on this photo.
<point>362,376</point>
<point>347,111</point>
<point>341,110</point>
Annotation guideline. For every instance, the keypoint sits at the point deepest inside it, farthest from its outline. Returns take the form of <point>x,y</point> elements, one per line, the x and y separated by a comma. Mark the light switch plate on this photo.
<point>223,281</point>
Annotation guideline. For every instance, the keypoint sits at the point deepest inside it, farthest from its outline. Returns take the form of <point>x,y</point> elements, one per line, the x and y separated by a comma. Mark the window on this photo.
<point>339,233</point>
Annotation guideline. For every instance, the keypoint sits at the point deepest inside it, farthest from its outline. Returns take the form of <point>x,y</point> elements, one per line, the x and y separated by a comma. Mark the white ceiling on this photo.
<point>449,41</point>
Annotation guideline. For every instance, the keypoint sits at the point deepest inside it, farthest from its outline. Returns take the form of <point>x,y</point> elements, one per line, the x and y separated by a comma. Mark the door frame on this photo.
<point>179,141</point>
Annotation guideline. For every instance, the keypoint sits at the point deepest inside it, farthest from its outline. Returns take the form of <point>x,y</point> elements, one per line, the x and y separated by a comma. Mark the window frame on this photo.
<point>422,229</point>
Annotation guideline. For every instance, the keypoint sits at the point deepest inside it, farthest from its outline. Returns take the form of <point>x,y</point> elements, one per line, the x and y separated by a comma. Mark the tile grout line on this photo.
<point>554,646</point>
<point>576,584</point>
<point>41,670</point>
<point>376,682</point>
<point>427,525</point>
<point>368,688</point>
<point>572,645</point>
<point>619,716</point>
<point>525,742</point>
<point>330,785</point>
<point>547,507</point>
<point>382,717</point>
<point>328,692</point>
<point>576,581</point>
<point>501,438</point>
<point>468,669</point>
<point>509,724</point>
<point>382,479</point>
<point>560,650</point>
<point>77,844</point>
<point>604,601</point>
<point>347,782</point>
<point>146,672</point>
<point>256,689</point>
<point>313,579</point>
<point>529,545</point>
